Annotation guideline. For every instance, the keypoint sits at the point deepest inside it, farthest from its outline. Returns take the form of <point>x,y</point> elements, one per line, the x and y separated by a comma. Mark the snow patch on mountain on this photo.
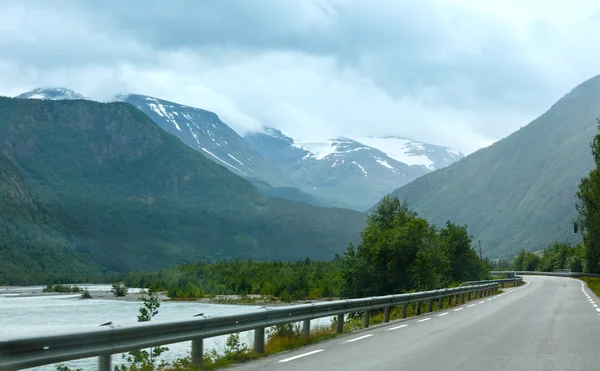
<point>400,149</point>
<point>51,94</point>
<point>318,150</point>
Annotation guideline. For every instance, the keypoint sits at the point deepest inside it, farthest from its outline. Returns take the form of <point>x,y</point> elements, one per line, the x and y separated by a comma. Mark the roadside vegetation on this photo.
<point>593,284</point>
<point>556,256</point>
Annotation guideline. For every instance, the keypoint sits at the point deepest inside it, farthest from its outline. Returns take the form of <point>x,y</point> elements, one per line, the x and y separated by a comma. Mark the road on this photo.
<point>551,323</point>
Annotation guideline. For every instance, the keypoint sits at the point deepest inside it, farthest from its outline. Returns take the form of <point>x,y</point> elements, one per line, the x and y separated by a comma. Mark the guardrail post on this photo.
<point>502,284</point>
<point>469,296</point>
<point>104,362</point>
<point>259,340</point>
<point>367,316</point>
<point>306,329</point>
<point>386,314</point>
<point>455,299</point>
<point>340,323</point>
<point>404,308</point>
<point>418,308</point>
<point>197,352</point>
<point>430,305</point>
<point>440,303</point>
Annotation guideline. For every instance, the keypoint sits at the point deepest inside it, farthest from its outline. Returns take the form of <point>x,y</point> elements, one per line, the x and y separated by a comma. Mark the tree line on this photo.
<point>399,252</point>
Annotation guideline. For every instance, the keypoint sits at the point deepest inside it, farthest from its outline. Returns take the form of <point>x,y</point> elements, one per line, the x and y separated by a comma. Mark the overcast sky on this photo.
<point>461,73</point>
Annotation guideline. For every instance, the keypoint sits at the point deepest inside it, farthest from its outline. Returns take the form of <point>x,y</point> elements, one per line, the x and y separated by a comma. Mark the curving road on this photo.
<point>549,324</point>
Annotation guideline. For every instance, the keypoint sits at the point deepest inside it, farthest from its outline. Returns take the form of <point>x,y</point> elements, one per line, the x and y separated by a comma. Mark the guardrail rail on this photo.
<point>556,274</point>
<point>32,351</point>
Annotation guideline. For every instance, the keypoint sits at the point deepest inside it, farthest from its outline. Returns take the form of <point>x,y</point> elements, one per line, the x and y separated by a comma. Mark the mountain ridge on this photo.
<point>344,168</point>
<point>342,172</point>
<point>102,185</point>
<point>520,191</point>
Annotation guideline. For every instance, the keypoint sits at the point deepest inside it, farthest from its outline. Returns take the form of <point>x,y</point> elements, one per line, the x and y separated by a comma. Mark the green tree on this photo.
<point>589,210</point>
<point>464,261</point>
<point>143,360</point>
<point>400,252</point>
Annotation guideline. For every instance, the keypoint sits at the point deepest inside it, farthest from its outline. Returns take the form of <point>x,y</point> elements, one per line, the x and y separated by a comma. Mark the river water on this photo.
<point>57,313</point>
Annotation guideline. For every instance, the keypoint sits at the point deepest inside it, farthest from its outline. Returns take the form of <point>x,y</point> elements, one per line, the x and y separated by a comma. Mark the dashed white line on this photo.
<point>598,309</point>
<point>424,319</point>
<point>358,338</point>
<point>443,314</point>
<point>472,305</point>
<point>481,302</point>
<point>396,328</point>
<point>301,355</point>
<point>456,310</point>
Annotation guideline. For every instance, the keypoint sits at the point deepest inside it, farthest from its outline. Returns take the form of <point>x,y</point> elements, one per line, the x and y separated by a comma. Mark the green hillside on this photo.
<point>87,186</point>
<point>519,192</point>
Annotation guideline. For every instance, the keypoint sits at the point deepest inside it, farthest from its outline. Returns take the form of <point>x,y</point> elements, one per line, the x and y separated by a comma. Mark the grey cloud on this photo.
<point>409,44</point>
<point>425,68</point>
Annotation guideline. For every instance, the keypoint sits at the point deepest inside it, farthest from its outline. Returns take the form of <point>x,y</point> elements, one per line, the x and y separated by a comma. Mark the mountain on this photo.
<point>519,192</point>
<point>355,172</point>
<point>88,186</point>
<point>51,94</point>
<point>206,133</point>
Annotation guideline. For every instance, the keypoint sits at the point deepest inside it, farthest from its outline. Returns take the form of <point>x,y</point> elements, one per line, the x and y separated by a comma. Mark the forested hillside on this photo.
<point>89,187</point>
<point>519,193</point>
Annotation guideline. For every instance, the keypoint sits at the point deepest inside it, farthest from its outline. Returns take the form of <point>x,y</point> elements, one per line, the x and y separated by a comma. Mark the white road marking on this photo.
<point>456,310</point>
<point>358,338</point>
<point>481,302</point>
<point>301,355</point>
<point>598,309</point>
<point>397,327</point>
<point>443,314</point>
<point>424,319</point>
<point>472,305</point>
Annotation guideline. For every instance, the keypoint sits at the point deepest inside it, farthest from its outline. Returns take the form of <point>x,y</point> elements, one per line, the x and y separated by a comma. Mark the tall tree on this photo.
<point>589,210</point>
<point>401,252</point>
<point>464,261</point>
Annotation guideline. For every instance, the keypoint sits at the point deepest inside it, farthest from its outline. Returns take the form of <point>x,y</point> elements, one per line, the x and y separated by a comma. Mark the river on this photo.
<point>26,315</point>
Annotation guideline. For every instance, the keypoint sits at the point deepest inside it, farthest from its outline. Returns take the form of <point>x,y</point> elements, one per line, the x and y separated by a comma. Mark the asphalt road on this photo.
<point>551,323</point>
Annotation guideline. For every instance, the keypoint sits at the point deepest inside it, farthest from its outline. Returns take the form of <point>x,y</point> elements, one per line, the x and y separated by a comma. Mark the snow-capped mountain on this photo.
<point>51,94</point>
<point>344,172</point>
<point>205,132</point>
<point>356,172</point>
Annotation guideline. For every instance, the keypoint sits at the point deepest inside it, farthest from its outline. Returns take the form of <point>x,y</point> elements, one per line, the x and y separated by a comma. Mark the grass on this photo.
<point>593,283</point>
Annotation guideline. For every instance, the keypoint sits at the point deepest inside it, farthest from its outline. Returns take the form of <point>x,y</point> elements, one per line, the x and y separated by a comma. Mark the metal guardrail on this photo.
<point>32,351</point>
<point>500,281</point>
<point>556,274</point>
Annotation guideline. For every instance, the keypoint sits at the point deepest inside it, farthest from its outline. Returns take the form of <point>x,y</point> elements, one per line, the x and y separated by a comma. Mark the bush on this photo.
<point>119,289</point>
<point>60,288</point>
<point>86,294</point>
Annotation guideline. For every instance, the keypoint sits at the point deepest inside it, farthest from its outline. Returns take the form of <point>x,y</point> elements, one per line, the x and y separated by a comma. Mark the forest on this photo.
<point>399,252</point>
